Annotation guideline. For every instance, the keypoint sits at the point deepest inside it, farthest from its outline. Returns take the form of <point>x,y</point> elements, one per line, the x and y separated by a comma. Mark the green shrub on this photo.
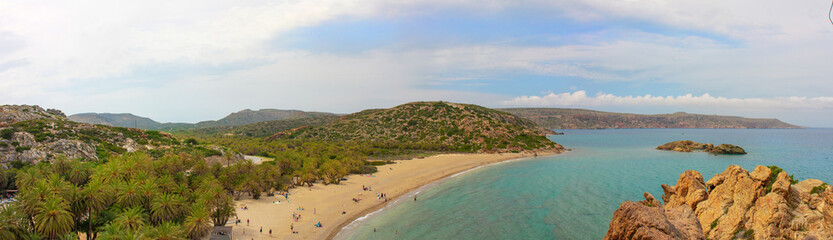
<point>20,149</point>
<point>4,144</point>
<point>366,169</point>
<point>7,133</point>
<point>714,223</point>
<point>819,188</point>
<point>773,175</point>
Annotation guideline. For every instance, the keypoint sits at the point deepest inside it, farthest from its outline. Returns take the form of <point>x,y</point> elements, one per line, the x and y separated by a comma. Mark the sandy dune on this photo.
<point>325,203</point>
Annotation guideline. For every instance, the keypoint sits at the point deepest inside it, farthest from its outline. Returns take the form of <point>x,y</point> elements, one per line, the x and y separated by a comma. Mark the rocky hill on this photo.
<point>565,118</point>
<point>234,119</point>
<point>736,204</point>
<point>435,126</point>
<point>31,134</point>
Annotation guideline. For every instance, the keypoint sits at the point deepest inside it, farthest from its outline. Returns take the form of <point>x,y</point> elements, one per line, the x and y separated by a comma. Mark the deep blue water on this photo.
<point>573,195</point>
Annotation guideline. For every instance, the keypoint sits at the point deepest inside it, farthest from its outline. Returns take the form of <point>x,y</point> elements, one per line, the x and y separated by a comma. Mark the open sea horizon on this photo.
<point>573,195</point>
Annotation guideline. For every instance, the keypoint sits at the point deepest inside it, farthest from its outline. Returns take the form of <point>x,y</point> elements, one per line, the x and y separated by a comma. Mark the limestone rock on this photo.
<point>735,207</point>
<point>727,149</point>
<point>639,221</point>
<point>690,190</point>
<point>761,173</point>
<point>781,186</point>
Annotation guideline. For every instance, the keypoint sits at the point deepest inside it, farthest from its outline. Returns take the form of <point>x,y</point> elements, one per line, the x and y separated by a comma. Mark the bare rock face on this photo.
<point>827,208</point>
<point>732,193</point>
<point>640,221</point>
<point>736,206</point>
<point>10,114</point>
<point>689,191</point>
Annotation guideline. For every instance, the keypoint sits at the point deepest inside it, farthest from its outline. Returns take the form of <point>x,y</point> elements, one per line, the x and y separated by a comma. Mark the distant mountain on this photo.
<point>433,126</point>
<point>234,119</point>
<point>248,116</point>
<point>565,118</point>
<point>119,120</point>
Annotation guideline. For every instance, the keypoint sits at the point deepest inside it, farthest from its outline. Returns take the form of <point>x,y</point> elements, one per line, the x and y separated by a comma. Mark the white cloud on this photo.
<point>49,49</point>
<point>581,99</point>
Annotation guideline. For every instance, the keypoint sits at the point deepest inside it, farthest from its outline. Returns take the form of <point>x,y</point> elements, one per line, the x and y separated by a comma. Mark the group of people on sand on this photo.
<point>296,216</point>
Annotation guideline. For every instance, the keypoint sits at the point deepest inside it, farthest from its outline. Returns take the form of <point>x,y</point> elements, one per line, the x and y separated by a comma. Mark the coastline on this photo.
<point>410,192</point>
<point>327,202</point>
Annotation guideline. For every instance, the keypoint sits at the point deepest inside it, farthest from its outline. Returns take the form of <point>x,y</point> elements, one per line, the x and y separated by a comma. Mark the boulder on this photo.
<point>727,149</point>
<point>733,193</point>
<point>640,221</point>
<point>690,190</point>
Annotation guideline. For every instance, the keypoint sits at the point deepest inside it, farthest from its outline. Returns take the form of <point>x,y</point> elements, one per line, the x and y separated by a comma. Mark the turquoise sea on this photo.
<point>573,195</point>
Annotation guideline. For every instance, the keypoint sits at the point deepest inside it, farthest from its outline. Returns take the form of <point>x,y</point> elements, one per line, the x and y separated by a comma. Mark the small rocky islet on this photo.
<point>690,146</point>
<point>736,204</point>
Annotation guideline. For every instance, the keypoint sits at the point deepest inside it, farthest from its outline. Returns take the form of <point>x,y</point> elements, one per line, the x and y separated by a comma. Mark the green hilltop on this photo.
<point>439,126</point>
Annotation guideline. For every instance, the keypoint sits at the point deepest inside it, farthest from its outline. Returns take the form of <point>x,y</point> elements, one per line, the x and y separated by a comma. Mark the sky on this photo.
<point>189,61</point>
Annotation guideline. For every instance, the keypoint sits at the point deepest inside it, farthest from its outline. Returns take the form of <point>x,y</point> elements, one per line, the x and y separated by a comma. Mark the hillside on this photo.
<point>564,118</point>
<point>30,134</point>
<point>260,129</point>
<point>234,119</point>
<point>433,126</point>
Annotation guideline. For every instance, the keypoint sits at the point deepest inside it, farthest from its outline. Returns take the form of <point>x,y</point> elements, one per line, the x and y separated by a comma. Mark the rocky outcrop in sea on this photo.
<point>689,146</point>
<point>736,204</point>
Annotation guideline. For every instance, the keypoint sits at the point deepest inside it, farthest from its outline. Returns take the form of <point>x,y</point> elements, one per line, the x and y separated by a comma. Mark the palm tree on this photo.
<point>95,196</point>
<point>147,191</point>
<point>53,218</point>
<point>79,174</point>
<point>13,223</point>
<point>111,232</point>
<point>31,197</point>
<point>166,207</point>
<point>129,194</point>
<point>198,222</point>
<point>167,231</point>
<point>131,220</point>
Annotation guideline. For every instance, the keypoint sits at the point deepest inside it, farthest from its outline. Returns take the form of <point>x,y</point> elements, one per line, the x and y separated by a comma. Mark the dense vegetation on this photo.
<point>131,196</point>
<point>176,195</point>
<point>565,118</point>
<point>436,126</point>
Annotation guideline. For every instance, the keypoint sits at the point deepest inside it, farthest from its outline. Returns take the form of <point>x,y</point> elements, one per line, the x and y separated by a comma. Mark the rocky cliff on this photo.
<point>31,134</point>
<point>735,204</point>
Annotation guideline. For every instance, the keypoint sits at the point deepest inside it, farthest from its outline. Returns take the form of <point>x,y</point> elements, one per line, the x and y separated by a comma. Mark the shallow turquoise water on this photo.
<point>573,195</point>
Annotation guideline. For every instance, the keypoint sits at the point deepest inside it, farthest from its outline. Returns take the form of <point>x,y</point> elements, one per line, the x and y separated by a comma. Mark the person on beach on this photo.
<point>270,232</point>
<point>247,220</point>
<point>414,198</point>
<point>261,229</point>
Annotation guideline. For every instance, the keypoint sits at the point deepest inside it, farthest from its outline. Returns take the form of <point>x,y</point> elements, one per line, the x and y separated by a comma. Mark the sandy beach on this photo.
<point>326,203</point>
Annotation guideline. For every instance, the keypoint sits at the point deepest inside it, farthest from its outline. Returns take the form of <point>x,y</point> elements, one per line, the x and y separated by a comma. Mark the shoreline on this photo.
<point>410,192</point>
<point>442,178</point>
<point>329,202</point>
